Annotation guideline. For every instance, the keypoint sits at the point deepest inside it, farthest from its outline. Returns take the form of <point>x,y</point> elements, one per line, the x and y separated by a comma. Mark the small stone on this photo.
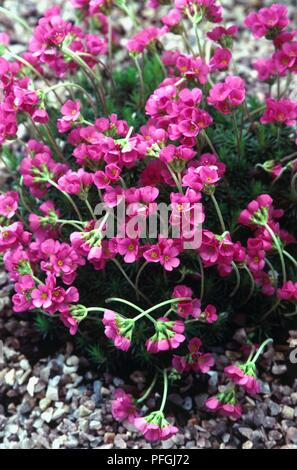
<point>274,408</point>
<point>84,411</point>
<point>288,412</point>
<point>47,415</point>
<point>31,385</point>
<point>188,404</point>
<point>9,378</point>
<point>246,432</point>
<point>275,435</point>
<point>247,445</point>
<point>24,364</point>
<point>59,413</point>
<point>44,404</point>
<point>291,435</point>
<point>168,444</point>
<point>52,393</point>
<point>105,391</point>
<point>279,369</point>
<point>119,442</point>
<point>109,437</point>
<point>95,425</point>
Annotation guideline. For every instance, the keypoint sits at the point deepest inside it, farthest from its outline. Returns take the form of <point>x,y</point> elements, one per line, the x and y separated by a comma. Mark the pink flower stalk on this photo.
<point>155,427</point>
<point>123,406</point>
<point>227,95</point>
<point>268,21</point>
<point>195,361</point>
<point>118,329</point>
<point>168,335</point>
<point>9,204</point>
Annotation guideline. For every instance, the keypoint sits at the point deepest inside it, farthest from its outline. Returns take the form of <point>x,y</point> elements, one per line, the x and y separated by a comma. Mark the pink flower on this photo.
<point>220,60</point>
<point>168,335</point>
<point>75,182</point>
<point>186,308</point>
<point>129,249</point>
<point>268,21</point>
<point>225,404</point>
<point>23,289</point>
<point>70,322</point>
<point>142,39</point>
<point>42,296</point>
<point>224,96</point>
<point>258,212</point>
<point>288,291</point>
<point>195,360</point>
<point>71,110</point>
<point>123,406</point>
<point>118,329</point>
<point>9,204</point>
<point>210,313</point>
<point>283,111</point>
<point>244,376</point>
<point>172,18</point>
<point>155,427</point>
<point>223,35</point>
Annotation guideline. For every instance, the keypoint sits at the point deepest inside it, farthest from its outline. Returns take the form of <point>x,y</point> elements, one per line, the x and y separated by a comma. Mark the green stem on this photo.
<point>237,279</point>
<point>123,301</point>
<point>290,257</point>
<point>253,285</point>
<point>279,249</point>
<point>98,89</point>
<point>118,265</point>
<point>165,390</point>
<point>68,197</point>
<point>10,15</point>
<point>138,277</point>
<point>203,132</point>
<point>261,349</point>
<point>148,391</point>
<point>218,211</point>
<point>202,278</point>
<point>78,87</point>
<point>162,304</point>
<point>141,82</point>
<point>90,208</point>
<point>96,309</point>
<point>237,135</point>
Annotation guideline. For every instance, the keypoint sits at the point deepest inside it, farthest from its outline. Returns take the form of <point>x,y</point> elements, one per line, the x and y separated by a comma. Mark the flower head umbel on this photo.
<point>118,329</point>
<point>245,376</point>
<point>155,427</point>
<point>168,335</point>
<point>225,404</point>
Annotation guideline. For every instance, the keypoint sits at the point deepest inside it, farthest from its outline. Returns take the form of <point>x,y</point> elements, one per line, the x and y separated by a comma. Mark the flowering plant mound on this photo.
<point>160,187</point>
